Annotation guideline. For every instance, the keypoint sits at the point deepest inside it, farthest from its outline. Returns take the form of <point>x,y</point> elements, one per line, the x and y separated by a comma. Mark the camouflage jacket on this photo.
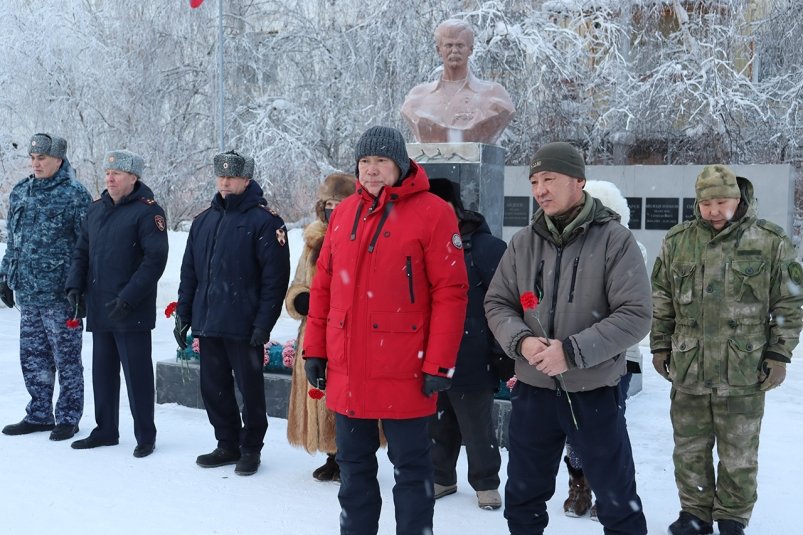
<point>724,301</point>
<point>44,222</point>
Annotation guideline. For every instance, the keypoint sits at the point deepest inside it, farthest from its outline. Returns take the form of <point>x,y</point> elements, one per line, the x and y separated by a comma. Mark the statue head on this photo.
<point>454,42</point>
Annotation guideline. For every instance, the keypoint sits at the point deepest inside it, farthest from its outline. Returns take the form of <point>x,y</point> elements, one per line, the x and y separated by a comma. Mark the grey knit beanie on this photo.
<point>234,164</point>
<point>383,141</point>
<point>50,145</point>
<point>717,182</point>
<point>124,160</point>
<point>559,157</point>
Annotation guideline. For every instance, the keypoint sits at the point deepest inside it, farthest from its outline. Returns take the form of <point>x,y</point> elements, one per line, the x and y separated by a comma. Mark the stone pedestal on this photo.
<point>477,167</point>
<point>180,383</point>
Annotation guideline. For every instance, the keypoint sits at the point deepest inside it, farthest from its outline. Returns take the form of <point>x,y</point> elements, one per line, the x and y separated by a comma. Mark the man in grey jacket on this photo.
<point>587,273</point>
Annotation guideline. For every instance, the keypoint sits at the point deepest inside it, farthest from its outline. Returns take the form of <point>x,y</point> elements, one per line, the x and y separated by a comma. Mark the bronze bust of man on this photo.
<point>459,107</point>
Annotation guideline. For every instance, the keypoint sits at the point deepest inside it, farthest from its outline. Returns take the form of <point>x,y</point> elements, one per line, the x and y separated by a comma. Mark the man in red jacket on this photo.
<point>386,314</point>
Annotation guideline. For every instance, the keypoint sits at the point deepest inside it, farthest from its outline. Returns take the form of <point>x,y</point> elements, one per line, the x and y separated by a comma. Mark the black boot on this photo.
<point>688,524</point>
<point>24,428</point>
<point>579,501</point>
<point>730,527</point>
<point>248,463</point>
<point>218,457</point>
<point>328,471</point>
<point>93,442</point>
<point>63,431</point>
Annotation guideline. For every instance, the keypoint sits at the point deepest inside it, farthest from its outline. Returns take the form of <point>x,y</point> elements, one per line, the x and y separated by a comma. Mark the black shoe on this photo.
<point>248,463</point>
<point>328,471</point>
<point>25,428</point>
<point>730,527</point>
<point>93,442</point>
<point>219,457</point>
<point>688,524</point>
<point>63,431</point>
<point>143,450</point>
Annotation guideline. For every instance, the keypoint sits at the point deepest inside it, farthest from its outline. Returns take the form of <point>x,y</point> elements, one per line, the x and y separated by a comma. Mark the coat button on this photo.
<point>709,289</point>
<point>732,324</point>
<point>749,271</point>
<point>376,326</point>
<point>415,327</point>
<point>750,347</point>
<point>682,347</point>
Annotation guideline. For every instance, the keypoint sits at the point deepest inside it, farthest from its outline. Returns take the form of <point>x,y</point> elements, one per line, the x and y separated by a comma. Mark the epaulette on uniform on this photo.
<point>680,227</point>
<point>771,227</point>
<point>149,202</point>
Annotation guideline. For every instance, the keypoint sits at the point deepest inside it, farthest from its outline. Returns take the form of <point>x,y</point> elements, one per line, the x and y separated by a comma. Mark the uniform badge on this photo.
<point>281,236</point>
<point>160,222</point>
<point>33,143</point>
<point>795,272</point>
<point>225,165</point>
<point>111,159</point>
<point>456,241</point>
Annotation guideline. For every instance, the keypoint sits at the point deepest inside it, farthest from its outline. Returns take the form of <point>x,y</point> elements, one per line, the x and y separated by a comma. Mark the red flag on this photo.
<point>196,3</point>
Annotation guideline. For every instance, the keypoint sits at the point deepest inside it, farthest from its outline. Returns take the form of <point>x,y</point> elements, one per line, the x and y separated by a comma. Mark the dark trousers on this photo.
<point>465,417</point>
<point>413,493</point>
<point>540,424</point>
<point>219,358</point>
<point>133,351</point>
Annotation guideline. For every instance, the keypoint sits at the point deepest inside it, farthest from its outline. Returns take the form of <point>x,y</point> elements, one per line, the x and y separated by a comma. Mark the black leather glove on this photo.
<point>435,383</point>
<point>259,337</point>
<point>118,309</point>
<point>180,332</point>
<point>316,372</point>
<point>77,303</point>
<point>6,295</point>
<point>301,302</point>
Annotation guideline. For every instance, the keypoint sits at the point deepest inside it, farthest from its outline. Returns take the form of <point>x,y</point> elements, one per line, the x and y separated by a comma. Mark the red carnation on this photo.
<point>315,393</point>
<point>170,309</point>
<point>73,323</point>
<point>529,301</point>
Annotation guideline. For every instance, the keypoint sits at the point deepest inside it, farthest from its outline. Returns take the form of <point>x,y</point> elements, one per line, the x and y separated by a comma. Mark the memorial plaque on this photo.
<point>634,204</point>
<point>517,212</point>
<point>688,208</point>
<point>661,213</point>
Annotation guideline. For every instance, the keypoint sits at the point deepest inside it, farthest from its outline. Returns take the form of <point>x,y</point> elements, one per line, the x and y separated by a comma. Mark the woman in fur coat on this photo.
<point>309,423</point>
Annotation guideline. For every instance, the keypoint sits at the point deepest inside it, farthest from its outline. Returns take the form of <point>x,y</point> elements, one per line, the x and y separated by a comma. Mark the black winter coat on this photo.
<point>236,267</point>
<point>122,252</point>
<point>482,252</point>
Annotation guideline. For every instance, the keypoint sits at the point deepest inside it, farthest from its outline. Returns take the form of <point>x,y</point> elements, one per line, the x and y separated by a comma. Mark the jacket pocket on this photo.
<point>748,281</point>
<point>684,367</point>
<point>683,277</point>
<point>744,359</point>
<point>396,345</point>
<point>336,339</point>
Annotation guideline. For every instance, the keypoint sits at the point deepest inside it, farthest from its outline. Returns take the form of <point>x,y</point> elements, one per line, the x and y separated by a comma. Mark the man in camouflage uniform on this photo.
<point>46,211</point>
<point>726,317</point>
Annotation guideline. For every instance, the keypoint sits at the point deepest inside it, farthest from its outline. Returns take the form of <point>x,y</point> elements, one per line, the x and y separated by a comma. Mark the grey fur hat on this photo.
<point>46,144</point>
<point>383,141</point>
<point>232,163</point>
<point>124,160</point>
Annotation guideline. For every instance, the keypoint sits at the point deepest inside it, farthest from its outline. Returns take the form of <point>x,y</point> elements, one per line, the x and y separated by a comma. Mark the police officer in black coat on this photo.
<point>116,264</point>
<point>464,411</point>
<point>234,277</point>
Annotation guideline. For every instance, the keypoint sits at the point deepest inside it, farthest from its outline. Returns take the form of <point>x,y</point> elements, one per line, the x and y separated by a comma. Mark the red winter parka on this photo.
<point>388,300</point>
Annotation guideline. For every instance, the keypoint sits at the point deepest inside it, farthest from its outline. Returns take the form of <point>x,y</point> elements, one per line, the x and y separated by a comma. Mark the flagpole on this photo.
<point>221,77</point>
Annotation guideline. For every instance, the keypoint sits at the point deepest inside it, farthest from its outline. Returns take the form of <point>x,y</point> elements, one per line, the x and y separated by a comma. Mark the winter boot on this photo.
<point>248,463</point>
<point>444,490</point>
<point>218,457</point>
<point>730,527</point>
<point>25,428</point>
<point>579,501</point>
<point>688,524</point>
<point>328,470</point>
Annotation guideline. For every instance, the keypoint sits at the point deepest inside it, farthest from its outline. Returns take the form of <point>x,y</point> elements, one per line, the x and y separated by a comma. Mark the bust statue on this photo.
<point>459,107</point>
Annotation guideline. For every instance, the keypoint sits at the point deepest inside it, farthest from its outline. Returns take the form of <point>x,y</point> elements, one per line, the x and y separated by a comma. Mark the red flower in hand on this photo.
<point>170,309</point>
<point>315,393</point>
<point>73,323</point>
<point>529,301</point>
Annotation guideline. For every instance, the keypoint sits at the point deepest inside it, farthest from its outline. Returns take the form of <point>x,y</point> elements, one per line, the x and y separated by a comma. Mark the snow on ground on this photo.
<point>47,487</point>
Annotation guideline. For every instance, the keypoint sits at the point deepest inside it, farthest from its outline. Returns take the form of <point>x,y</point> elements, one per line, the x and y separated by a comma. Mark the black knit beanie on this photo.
<point>559,157</point>
<point>383,141</point>
<point>448,191</point>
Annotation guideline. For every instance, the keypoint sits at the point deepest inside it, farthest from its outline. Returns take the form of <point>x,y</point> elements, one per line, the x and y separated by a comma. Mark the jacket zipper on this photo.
<point>410,278</point>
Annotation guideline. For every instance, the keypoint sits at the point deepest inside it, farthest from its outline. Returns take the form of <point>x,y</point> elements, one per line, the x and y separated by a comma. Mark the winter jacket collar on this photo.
<point>251,197</point>
<point>63,175</point>
<point>141,193</point>
<point>593,213</point>
<point>416,181</point>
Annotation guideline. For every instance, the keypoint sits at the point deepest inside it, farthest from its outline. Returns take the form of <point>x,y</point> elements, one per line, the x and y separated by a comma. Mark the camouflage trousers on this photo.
<point>48,346</point>
<point>734,424</point>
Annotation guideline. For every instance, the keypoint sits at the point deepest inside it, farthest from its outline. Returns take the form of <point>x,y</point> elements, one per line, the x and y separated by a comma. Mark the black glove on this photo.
<point>435,383</point>
<point>259,337</point>
<point>6,295</point>
<point>316,372</point>
<point>180,332</point>
<point>301,302</point>
<point>77,303</point>
<point>118,309</point>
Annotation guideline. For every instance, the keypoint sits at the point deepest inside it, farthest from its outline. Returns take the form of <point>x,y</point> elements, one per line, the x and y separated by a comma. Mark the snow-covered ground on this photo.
<point>47,487</point>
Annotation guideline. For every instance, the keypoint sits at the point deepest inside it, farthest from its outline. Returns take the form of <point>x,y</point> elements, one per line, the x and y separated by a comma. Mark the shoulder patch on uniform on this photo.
<point>281,236</point>
<point>160,222</point>
<point>456,241</point>
<point>795,272</point>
